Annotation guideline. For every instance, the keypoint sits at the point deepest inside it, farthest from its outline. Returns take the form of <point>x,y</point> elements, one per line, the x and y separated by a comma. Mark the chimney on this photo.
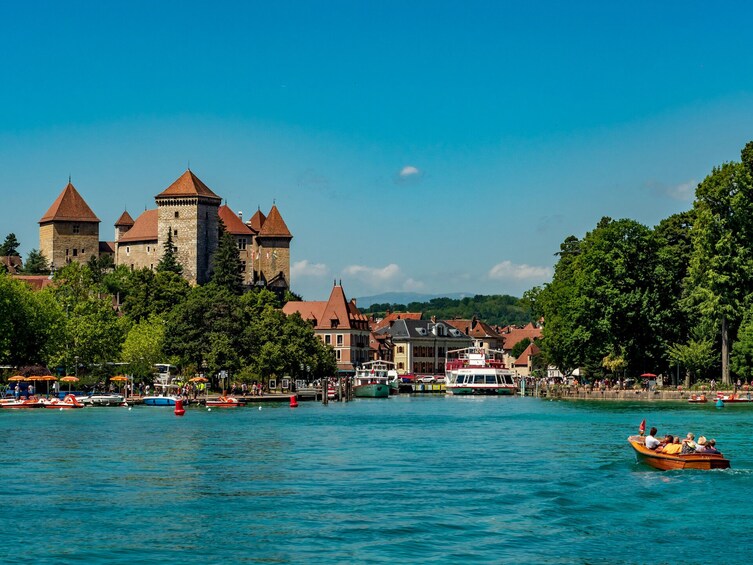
<point>433,319</point>
<point>240,214</point>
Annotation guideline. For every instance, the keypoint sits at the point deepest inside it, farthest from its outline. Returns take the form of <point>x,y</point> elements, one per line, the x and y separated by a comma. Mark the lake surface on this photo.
<point>406,479</point>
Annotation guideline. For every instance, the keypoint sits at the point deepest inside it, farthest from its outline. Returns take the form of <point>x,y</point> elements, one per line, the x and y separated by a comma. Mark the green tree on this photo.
<point>721,266</point>
<point>149,293</point>
<point>695,356</point>
<point>520,347</point>
<point>169,262</point>
<point>36,263</point>
<point>143,345</point>
<point>10,246</point>
<point>227,267</point>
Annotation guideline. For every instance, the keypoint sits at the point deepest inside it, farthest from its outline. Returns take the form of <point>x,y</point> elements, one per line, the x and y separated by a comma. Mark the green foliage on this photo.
<point>10,246</point>
<point>149,293</point>
<point>227,267</point>
<point>169,263</point>
<point>495,309</point>
<point>143,346</point>
<point>36,263</point>
<point>696,355</point>
<point>520,347</point>
<point>741,360</point>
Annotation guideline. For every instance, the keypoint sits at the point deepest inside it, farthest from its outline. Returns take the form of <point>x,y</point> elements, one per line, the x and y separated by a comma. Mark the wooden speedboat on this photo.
<point>697,399</point>
<point>666,462</point>
<point>225,402</point>
<point>70,401</point>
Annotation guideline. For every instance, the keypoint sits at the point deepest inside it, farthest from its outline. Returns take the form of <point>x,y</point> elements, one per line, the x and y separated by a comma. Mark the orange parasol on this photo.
<point>198,380</point>
<point>69,379</point>
<point>119,378</point>
<point>17,378</point>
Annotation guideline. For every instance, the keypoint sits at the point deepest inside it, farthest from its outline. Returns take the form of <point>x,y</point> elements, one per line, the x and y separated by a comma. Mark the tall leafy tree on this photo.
<point>721,267</point>
<point>143,345</point>
<point>169,262</point>
<point>227,266</point>
<point>36,263</point>
<point>10,246</point>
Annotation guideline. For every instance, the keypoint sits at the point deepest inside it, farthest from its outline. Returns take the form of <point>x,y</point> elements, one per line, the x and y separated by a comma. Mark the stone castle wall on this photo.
<point>61,245</point>
<point>137,255</point>
<point>274,257</point>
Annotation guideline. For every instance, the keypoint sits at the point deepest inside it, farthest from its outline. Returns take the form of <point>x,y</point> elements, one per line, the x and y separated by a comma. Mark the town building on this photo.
<point>339,324</point>
<point>420,346</point>
<point>484,336</point>
<point>187,212</point>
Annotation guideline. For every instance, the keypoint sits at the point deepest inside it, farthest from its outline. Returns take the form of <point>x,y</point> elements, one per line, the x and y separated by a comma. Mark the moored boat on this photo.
<point>697,399</point>
<point>103,400</point>
<point>166,389</point>
<point>474,370</point>
<point>737,397</point>
<point>666,462</point>
<point>372,380</point>
<point>68,402</point>
<point>225,402</point>
<point>31,402</point>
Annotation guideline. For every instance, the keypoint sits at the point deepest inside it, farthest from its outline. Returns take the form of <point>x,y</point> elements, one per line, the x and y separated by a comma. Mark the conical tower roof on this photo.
<point>257,221</point>
<point>274,226</point>
<point>124,220</point>
<point>188,184</point>
<point>69,207</point>
<point>233,224</point>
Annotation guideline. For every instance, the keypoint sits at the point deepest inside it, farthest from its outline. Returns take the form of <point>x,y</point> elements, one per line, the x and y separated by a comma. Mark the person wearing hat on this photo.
<point>701,447</point>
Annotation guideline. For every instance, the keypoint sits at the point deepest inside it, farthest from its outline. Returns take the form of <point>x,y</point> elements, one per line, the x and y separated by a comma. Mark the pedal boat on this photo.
<point>31,402</point>
<point>69,402</point>
<point>666,462</point>
<point>698,399</point>
<point>225,402</point>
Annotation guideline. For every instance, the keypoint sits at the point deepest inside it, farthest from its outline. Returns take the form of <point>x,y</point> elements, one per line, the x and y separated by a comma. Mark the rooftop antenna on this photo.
<point>69,178</point>
<point>189,164</point>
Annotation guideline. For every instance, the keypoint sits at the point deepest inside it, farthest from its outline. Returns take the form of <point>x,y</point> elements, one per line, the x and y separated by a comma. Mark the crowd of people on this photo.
<point>674,445</point>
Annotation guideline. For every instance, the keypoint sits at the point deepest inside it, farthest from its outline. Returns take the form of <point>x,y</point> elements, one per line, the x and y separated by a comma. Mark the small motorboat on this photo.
<point>103,400</point>
<point>697,399</point>
<point>666,462</point>
<point>225,402</point>
<point>745,397</point>
<point>70,401</point>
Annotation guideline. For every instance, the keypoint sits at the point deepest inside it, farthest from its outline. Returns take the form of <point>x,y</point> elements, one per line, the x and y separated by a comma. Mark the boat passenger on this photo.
<point>711,446</point>
<point>701,445</point>
<point>674,448</point>
<point>651,442</point>
<point>689,444</point>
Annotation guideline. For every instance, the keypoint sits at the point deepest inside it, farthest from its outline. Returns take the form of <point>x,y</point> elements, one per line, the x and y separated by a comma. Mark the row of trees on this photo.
<point>217,326</point>
<point>626,299</point>
<point>496,309</point>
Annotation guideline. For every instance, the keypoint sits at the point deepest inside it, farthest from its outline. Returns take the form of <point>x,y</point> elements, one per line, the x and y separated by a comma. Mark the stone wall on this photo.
<point>137,255</point>
<point>60,245</point>
<point>275,257</point>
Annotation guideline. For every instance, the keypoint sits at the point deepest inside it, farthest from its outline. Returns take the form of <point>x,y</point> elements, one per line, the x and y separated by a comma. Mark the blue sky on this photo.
<point>419,146</point>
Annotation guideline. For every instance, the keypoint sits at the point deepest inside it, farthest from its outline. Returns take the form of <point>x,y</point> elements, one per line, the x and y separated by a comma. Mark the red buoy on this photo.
<point>293,401</point>
<point>179,410</point>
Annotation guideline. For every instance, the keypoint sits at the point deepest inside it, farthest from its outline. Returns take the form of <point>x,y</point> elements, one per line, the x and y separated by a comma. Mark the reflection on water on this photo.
<point>503,480</point>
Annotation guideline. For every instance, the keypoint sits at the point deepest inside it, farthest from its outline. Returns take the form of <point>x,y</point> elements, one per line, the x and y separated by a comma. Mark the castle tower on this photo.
<point>124,223</point>
<point>188,209</point>
<point>69,230</point>
<point>273,251</point>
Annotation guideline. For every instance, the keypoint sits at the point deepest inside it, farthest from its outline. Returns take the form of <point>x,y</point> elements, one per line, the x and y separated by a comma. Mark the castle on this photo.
<point>190,212</point>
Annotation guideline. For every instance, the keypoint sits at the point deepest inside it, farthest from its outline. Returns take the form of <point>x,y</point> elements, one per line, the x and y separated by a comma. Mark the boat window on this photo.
<point>479,379</point>
<point>491,379</point>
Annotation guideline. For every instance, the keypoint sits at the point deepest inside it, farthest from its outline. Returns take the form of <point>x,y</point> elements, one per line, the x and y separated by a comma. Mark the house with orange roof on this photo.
<point>390,318</point>
<point>524,364</point>
<point>339,324</point>
<point>484,336</point>
<point>190,212</point>
<point>513,336</point>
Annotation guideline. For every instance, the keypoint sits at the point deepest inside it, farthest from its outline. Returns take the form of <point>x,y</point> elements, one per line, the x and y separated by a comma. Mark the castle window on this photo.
<point>242,243</point>
<point>148,249</point>
<point>76,228</point>
<point>83,251</point>
<point>128,250</point>
<point>75,252</point>
<point>175,233</point>
<point>66,253</point>
<point>177,214</point>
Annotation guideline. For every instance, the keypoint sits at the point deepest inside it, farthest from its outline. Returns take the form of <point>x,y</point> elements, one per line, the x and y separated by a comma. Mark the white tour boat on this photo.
<point>474,370</point>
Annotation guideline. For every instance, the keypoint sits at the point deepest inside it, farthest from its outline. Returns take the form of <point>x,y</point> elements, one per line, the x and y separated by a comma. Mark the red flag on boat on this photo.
<point>642,427</point>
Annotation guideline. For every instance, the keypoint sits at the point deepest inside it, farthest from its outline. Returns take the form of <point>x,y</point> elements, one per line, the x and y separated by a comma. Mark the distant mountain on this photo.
<point>406,298</point>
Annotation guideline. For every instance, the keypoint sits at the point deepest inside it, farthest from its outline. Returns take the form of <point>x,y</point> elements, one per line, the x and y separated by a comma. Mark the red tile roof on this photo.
<point>274,225</point>
<point>124,220</point>
<point>257,221</point>
<point>37,282</point>
<point>392,316</point>
<point>144,228</point>
<point>233,223</point>
<point>337,312</point>
<point>69,207</point>
<point>188,184</point>
<point>516,335</point>
<point>531,351</point>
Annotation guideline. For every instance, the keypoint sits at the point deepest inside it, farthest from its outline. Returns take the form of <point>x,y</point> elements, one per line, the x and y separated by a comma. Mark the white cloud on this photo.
<point>306,269</point>
<point>506,270</point>
<point>409,174</point>
<point>373,276</point>
<point>409,171</point>
<point>412,285</point>
<point>684,191</point>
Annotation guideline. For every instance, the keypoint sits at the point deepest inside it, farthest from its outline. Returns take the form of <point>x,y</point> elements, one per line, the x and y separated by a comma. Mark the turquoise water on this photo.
<point>408,479</point>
